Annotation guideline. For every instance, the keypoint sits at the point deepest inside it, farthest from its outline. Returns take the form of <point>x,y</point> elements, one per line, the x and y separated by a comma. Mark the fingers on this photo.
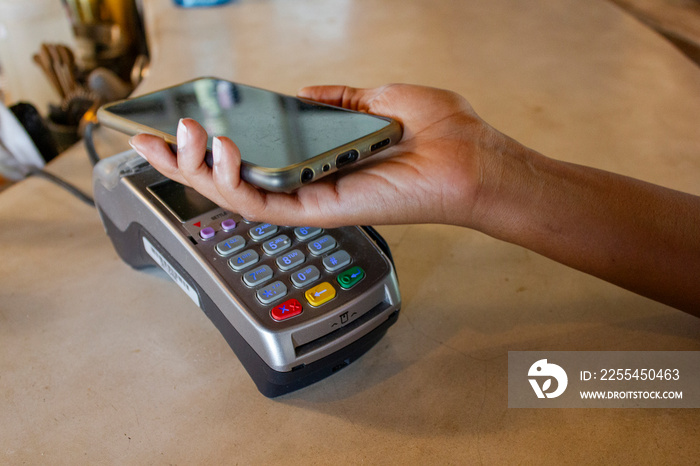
<point>332,95</point>
<point>390,100</point>
<point>221,183</point>
<point>188,166</point>
<point>340,96</point>
<point>191,155</point>
<point>256,204</point>
<point>158,153</point>
<point>235,194</point>
<point>191,151</point>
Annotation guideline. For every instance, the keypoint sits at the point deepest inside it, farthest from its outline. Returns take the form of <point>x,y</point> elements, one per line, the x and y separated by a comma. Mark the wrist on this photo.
<point>510,183</point>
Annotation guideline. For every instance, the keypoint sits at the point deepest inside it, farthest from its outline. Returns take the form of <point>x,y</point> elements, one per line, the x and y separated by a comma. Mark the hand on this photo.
<point>432,175</point>
<point>451,167</point>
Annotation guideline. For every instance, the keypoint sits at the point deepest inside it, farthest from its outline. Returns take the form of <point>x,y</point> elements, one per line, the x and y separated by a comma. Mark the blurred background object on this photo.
<point>19,153</point>
<point>24,26</point>
<point>108,34</point>
<point>60,60</point>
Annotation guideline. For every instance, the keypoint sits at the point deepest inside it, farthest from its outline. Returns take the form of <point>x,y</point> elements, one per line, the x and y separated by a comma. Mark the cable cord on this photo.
<point>93,156</point>
<point>90,143</point>
<point>64,184</point>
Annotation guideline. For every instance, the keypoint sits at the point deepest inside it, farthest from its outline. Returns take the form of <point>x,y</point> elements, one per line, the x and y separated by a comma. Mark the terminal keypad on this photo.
<point>287,271</point>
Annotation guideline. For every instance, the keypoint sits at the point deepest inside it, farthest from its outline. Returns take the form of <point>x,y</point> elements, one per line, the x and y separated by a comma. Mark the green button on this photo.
<point>350,277</point>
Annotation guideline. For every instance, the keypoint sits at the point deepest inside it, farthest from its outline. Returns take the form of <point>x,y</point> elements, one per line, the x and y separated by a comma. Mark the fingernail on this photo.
<point>182,135</point>
<point>216,148</point>
<point>136,149</point>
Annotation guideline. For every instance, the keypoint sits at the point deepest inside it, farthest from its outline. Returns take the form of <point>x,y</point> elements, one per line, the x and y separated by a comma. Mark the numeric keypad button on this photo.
<point>272,292</point>
<point>230,246</point>
<point>277,244</point>
<point>336,261</point>
<point>244,260</point>
<point>322,245</point>
<point>290,260</point>
<point>258,276</point>
<point>306,233</point>
<point>305,276</point>
<point>263,231</point>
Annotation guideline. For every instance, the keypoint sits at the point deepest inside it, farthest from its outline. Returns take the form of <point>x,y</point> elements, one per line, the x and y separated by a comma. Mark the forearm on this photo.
<point>639,236</point>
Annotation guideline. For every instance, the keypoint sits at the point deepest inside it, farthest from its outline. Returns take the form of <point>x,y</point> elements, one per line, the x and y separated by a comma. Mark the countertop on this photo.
<point>103,364</point>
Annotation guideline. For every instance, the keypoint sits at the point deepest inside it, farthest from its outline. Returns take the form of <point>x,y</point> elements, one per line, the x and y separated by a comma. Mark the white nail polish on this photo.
<point>216,148</point>
<point>182,135</point>
<point>135,148</point>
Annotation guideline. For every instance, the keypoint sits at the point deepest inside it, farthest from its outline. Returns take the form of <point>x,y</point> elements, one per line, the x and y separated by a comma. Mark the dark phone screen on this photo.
<point>271,130</point>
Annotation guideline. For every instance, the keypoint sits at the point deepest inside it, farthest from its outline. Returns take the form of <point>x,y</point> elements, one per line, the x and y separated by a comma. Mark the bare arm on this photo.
<point>451,167</point>
<point>637,235</point>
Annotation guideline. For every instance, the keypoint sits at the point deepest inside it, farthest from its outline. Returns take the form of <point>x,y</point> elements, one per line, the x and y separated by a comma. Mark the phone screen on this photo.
<point>271,130</point>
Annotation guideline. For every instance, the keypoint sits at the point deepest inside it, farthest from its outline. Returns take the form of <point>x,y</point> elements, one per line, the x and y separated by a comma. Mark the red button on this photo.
<point>287,309</point>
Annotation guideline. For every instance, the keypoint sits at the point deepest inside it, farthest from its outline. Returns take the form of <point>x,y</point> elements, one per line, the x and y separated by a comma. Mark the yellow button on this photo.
<point>320,294</point>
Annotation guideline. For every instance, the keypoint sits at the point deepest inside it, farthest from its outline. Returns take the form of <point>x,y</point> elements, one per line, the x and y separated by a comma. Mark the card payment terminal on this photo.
<point>296,304</point>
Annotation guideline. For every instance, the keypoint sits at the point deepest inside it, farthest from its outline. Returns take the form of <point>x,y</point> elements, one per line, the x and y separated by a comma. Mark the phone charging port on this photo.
<point>346,158</point>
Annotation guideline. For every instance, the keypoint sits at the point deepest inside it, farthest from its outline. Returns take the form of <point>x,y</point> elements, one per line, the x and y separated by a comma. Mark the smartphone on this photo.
<point>285,141</point>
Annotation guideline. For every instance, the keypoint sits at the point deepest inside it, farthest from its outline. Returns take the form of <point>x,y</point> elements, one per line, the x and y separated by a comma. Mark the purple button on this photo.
<point>207,233</point>
<point>228,224</point>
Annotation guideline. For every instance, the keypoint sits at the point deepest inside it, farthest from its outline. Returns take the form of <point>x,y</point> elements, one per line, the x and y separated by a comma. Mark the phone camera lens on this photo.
<point>307,175</point>
<point>326,167</point>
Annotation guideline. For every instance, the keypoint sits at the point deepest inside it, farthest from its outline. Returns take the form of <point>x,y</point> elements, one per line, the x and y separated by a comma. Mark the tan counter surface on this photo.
<point>102,364</point>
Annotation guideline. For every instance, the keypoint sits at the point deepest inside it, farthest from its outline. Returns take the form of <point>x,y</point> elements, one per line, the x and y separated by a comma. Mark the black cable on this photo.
<point>64,184</point>
<point>90,143</point>
<point>92,156</point>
